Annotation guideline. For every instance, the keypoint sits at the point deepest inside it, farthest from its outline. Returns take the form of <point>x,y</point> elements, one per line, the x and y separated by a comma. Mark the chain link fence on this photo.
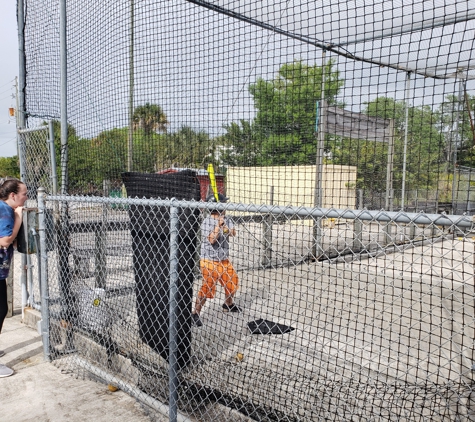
<point>346,146</point>
<point>38,169</point>
<point>386,335</point>
<point>38,163</point>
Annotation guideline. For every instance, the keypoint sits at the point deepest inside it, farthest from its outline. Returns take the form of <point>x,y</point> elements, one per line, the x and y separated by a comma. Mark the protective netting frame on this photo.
<point>43,102</point>
<point>385,388</point>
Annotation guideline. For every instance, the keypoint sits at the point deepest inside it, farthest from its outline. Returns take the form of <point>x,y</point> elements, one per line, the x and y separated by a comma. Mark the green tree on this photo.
<point>241,145</point>
<point>458,127</point>
<point>283,131</point>
<point>81,161</point>
<point>150,118</point>
<point>9,166</point>
<point>287,104</point>
<point>185,148</point>
<point>110,151</point>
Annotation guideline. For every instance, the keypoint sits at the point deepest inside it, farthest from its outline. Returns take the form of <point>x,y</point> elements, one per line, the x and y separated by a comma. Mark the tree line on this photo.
<point>282,133</point>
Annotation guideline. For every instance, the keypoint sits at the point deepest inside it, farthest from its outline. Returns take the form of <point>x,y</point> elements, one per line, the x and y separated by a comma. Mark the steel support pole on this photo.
<point>358,224</point>
<point>64,95</point>
<point>389,182</point>
<point>173,346</point>
<point>131,89</point>
<point>458,143</point>
<point>63,224</point>
<point>406,136</point>
<point>43,257</point>
<point>20,122</point>
<point>100,242</point>
<point>21,67</point>
<point>390,169</point>
<point>317,247</point>
<point>267,225</point>
<point>52,152</point>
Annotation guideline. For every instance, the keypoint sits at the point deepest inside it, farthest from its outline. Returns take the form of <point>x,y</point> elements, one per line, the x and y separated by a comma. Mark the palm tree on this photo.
<point>150,118</point>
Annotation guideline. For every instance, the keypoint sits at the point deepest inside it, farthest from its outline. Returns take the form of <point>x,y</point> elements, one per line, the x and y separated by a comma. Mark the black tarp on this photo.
<point>150,229</point>
<point>264,326</point>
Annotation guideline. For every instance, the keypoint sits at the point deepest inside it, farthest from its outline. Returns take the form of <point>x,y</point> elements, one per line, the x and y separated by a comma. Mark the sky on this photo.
<point>8,72</point>
<point>214,95</point>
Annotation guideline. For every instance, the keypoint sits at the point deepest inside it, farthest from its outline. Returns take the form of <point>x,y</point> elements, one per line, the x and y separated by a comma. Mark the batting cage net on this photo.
<point>257,210</point>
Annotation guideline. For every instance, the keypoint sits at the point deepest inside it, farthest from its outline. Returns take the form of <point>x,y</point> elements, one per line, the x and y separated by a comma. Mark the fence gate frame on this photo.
<point>46,154</point>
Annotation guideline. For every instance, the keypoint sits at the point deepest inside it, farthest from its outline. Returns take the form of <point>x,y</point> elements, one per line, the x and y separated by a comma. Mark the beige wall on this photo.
<point>293,185</point>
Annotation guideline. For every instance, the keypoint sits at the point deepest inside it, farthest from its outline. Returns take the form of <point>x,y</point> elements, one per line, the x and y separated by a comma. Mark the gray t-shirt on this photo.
<point>219,250</point>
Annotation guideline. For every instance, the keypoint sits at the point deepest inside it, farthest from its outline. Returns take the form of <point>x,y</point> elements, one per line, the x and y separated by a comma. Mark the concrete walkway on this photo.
<point>38,391</point>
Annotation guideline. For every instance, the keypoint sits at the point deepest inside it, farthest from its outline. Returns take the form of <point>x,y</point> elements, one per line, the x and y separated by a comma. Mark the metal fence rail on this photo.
<point>382,334</point>
<point>293,103</point>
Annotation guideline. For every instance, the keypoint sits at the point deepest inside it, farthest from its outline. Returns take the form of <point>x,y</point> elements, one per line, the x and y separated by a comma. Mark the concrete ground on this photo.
<point>38,391</point>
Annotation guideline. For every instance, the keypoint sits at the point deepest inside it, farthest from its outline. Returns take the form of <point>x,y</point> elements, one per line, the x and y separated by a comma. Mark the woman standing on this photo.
<point>13,195</point>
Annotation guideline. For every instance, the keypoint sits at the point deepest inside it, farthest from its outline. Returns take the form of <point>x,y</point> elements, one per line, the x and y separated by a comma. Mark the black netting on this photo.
<point>151,257</point>
<point>343,135</point>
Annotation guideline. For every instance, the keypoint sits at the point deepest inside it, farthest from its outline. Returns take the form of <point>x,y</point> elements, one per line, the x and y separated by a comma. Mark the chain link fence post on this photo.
<point>267,226</point>
<point>43,257</point>
<point>173,367</point>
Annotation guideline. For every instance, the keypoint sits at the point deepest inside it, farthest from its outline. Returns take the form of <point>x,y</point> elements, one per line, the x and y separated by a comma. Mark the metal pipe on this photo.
<point>366,215</point>
<point>335,48</point>
<point>321,139</point>
<point>426,24</point>
<point>43,259</point>
<point>358,225</point>
<point>129,389</point>
<point>318,196</point>
<point>131,90</point>
<point>20,122</point>
<point>267,225</point>
<point>469,110</point>
<point>458,143</point>
<point>34,129</point>
<point>100,259</point>
<point>64,95</point>
<point>406,134</point>
<point>29,271</point>
<point>63,245</point>
<point>390,169</point>
<point>173,346</point>
<point>54,175</point>
<point>21,65</point>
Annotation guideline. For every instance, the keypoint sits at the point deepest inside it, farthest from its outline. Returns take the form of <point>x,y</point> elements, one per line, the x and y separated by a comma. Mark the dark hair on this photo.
<point>9,185</point>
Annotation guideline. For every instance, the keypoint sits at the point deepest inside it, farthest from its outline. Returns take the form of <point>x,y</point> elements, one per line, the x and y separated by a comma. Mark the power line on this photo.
<point>9,89</point>
<point>5,143</point>
<point>12,81</point>
<point>8,96</point>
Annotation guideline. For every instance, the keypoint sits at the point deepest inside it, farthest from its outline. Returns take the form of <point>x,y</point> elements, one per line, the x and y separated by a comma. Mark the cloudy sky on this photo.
<point>8,71</point>
<point>211,60</point>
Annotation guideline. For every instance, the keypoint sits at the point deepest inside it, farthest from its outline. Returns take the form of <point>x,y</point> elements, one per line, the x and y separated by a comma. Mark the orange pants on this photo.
<point>214,271</point>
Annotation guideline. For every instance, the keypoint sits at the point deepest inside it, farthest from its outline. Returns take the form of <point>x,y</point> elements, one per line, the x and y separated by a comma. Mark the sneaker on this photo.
<point>196,320</point>
<point>5,371</point>
<point>232,308</point>
<point>2,353</point>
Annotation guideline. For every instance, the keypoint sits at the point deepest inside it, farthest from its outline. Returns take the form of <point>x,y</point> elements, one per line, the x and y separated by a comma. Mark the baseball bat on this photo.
<point>212,179</point>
